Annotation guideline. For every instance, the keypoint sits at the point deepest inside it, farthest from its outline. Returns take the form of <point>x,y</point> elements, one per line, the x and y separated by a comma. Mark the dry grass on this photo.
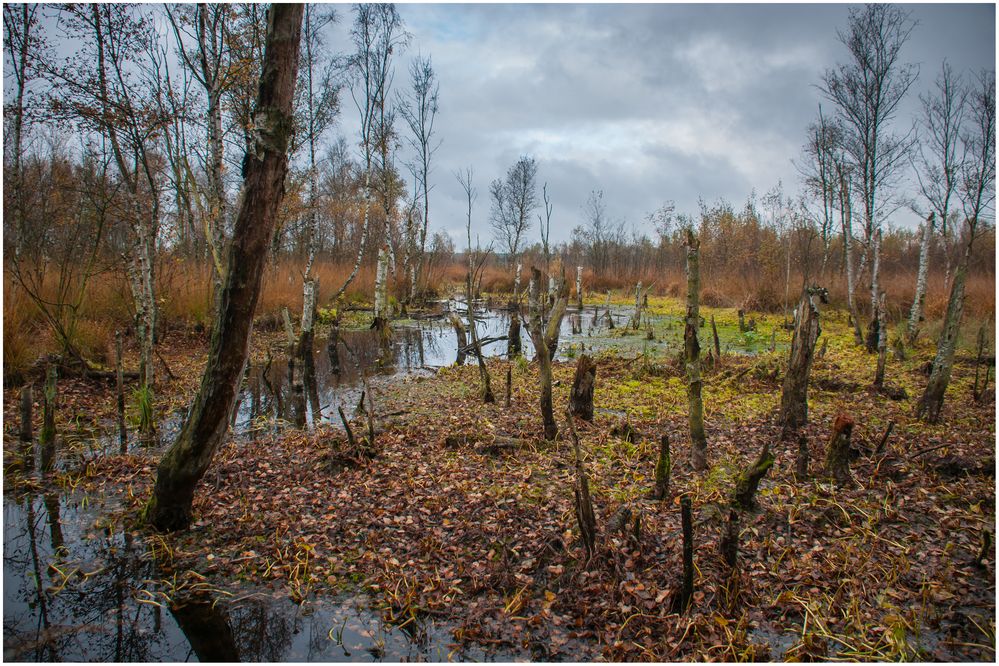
<point>184,290</point>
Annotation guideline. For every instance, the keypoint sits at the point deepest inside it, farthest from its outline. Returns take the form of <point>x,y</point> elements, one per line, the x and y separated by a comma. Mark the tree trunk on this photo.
<point>380,322</point>
<point>714,335</point>
<point>664,466</point>
<point>585,517</point>
<point>581,398</point>
<point>687,524</point>
<point>545,338</point>
<point>930,405</point>
<point>636,320</point>
<point>514,344</point>
<point>749,479</point>
<point>460,334</point>
<point>916,313</point>
<point>579,287</point>
<point>266,165</point>
<point>801,462</point>
<point>874,328</point>
<point>27,403</point>
<point>838,450</point>
<point>692,350</point>
<point>794,395</point>
<point>120,386</point>
<point>47,436</point>
<point>879,375</point>
<point>847,220</point>
<point>306,334</point>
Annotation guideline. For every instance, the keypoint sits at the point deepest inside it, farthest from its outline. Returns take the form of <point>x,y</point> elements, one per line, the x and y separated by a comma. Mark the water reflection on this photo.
<point>77,591</point>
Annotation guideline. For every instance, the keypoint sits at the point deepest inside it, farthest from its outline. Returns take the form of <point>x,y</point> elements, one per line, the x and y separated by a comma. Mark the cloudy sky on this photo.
<point>646,102</point>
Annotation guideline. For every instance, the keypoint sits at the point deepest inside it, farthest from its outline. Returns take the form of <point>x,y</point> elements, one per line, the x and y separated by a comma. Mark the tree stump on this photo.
<point>687,587</point>
<point>838,450</point>
<point>748,480</point>
<point>514,346</point>
<point>801,463</point>
<point>47,436</point>
<point>794,392</point>
<point>664,466</point>
<point>27,403</point>
<point>581,397</point>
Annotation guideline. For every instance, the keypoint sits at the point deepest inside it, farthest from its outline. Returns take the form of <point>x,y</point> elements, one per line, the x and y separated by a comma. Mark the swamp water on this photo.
<point>76,588</point>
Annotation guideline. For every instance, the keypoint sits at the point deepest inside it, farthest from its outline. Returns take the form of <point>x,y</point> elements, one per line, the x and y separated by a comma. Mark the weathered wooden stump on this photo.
<point>748,480</point>
<point>838,450</point>
<point>581,397</point>
<point>664,466</point>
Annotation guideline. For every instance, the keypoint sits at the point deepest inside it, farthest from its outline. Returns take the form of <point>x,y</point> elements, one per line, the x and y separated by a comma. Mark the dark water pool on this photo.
<point>77,590</point>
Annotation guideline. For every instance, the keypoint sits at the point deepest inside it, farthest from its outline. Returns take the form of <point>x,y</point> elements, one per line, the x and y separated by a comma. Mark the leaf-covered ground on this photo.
<point>438,525</point>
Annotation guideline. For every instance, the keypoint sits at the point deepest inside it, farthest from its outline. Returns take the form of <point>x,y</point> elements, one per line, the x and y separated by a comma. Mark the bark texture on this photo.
<point>749,479</point>
<point>581,398</point>
<point>265,167</point>
<point>916,313</point>
<point>664,465</point>
<point>930,405</point>
<point>838,451</point>
<point>794,395</point>
<point>544,335</point>
<point>692,351</point>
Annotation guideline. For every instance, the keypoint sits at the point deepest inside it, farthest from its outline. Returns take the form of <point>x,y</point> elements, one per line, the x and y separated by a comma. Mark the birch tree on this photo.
<point>514,198</point>
<point>419,110</point>
<point>867,91</point>
<point>937,166</point>
<point>208,61</point>
<point>692,361</point>
<point>377,32</point>
<point>102,88</point>
<point>976,188</point>
<point>187,460</point>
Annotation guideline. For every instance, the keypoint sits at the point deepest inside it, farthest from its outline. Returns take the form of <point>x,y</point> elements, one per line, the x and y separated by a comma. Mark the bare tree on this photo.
<point>976,188</point>
<point>476,262</point>
<point>23,39</point>
<point>867,92</point>
<point>819,171</point>
<point>513,200</point>
<point>937,168</point>
<point>104,86</point>
<point>186,461</point>
<point>377,32</point>
<point>692,361</point>
<point>209,62</point>
<point>419,110</point>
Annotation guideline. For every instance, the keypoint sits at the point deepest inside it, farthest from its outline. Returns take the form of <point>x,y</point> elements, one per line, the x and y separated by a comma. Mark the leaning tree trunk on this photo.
<point>692,351</point>
<point>916,313</point>
<point>794,395</point>
<point>930,405</point>
<point>265,168</point>
<point>545,340</point>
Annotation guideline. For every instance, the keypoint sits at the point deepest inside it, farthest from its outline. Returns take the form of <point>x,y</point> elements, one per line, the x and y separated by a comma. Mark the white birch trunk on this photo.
<point>916,313</point>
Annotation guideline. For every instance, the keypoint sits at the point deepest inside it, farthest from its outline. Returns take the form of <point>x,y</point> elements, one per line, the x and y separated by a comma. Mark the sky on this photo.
<point>646,102</point>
